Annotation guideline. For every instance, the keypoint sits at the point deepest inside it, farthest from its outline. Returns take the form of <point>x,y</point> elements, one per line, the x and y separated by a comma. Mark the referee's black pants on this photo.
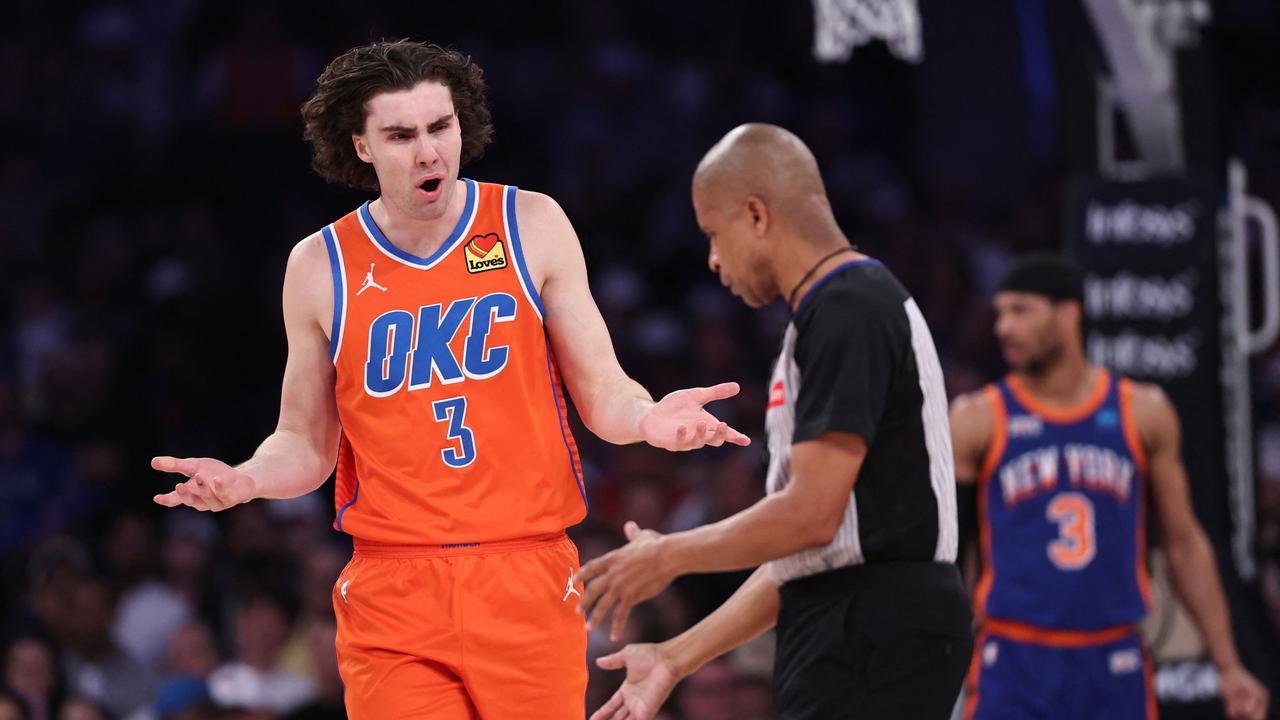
<point>885,640</point>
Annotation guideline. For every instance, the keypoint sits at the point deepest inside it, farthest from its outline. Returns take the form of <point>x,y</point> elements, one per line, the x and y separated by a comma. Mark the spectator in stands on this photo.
<point>96,667</point>
<point>31,671</point>
<point>255,679</point>
<point>12,706</point>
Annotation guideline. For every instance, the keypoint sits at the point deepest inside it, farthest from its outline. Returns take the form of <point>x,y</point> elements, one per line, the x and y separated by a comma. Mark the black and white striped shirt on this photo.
<point>857,357</point>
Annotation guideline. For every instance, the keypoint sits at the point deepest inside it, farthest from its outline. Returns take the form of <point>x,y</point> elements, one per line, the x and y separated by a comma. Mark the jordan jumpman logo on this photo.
<point>569,589</point>
<point>369,282</point>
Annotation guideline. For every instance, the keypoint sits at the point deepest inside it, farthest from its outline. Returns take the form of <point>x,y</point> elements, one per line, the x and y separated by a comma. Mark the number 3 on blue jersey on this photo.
<point>454,412</point>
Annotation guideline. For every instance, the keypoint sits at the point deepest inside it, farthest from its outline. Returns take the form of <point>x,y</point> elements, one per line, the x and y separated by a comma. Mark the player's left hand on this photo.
<point>1244,697</point>
<point>622,579</point>
<point>679,422</point>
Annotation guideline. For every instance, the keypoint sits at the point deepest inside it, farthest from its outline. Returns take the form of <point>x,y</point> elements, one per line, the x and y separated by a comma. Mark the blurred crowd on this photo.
<point>153,180</point>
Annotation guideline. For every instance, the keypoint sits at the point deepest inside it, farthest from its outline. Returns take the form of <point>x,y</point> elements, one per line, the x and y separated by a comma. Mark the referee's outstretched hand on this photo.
<point>650,679</point>
<point>622,579</point>
<point>679,422</point>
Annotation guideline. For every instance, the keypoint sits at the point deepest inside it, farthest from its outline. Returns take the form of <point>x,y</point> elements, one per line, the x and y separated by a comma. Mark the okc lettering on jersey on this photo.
<point>1088,467</point>
<point>393,358</point>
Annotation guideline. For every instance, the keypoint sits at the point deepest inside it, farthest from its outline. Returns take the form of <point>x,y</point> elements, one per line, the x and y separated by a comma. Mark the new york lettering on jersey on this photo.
<point>1062,511</point>
<point>454,426</point>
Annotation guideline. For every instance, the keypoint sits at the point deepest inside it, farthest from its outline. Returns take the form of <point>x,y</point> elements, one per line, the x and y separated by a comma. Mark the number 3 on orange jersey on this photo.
<point>1076,543</point>
<point>454,411</point>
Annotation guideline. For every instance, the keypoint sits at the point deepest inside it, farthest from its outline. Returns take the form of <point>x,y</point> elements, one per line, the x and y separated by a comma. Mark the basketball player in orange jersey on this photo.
<point>428,330</point>
<point>1056,461</point>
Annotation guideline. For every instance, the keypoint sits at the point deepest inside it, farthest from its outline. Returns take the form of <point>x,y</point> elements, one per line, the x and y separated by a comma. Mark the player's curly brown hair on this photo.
<point>339,106</point>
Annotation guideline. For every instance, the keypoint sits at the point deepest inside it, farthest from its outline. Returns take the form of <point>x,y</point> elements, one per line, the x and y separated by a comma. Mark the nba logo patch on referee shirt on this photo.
<point>484,253</point>
<point>777,396</point>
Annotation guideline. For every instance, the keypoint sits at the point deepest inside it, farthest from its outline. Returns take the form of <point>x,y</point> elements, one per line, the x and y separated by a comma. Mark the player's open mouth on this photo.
<point>430,185</point>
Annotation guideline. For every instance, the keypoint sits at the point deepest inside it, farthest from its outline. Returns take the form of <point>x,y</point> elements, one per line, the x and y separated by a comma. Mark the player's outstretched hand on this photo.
<point>679,422</point>
<point>211,485</point>
<point>650,679</point>
<point>622,579</point>
<point>1244,697</point>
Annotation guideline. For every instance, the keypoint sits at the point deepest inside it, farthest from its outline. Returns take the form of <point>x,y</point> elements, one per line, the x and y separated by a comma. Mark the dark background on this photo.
<point>153,179</point>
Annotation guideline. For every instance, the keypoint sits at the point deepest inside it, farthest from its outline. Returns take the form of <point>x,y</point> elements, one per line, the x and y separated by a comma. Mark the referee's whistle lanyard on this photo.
<point>791,298</point>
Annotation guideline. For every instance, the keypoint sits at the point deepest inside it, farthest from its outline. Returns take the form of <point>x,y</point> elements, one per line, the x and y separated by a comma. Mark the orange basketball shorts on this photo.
<point>452,632</point>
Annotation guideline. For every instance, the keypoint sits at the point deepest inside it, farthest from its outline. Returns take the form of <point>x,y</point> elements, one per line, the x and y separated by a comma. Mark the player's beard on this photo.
<point>1038,364</point>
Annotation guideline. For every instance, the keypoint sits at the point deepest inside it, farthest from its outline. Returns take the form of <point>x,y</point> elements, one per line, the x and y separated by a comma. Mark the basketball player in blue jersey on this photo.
<point>1057,461</point>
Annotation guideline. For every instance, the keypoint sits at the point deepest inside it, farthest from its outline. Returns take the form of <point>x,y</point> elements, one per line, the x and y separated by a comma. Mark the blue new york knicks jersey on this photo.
<point>1062,508</point>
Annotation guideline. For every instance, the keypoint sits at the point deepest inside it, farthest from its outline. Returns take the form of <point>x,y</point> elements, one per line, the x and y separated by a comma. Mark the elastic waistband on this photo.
<point>1022,632</point>
<point>366,548</point>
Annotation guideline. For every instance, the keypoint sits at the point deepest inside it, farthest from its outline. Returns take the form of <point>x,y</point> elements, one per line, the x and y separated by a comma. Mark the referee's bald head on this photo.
<point>759,198</point>
<point>766,162</point>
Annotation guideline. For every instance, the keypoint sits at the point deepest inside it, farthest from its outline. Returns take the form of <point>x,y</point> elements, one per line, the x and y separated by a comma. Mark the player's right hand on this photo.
<point>679,422</point>
<point>650,679</point>
<point>212,484</point>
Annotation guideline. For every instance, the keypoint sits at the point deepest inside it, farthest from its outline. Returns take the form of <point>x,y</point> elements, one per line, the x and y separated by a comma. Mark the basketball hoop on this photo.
<point>842,25</point>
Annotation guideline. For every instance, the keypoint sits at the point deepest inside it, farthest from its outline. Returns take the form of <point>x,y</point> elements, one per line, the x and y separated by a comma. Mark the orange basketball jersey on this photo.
<point>454,426</point>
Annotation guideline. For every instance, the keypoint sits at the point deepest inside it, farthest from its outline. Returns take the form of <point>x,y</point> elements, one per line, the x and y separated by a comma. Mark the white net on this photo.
<point>1173,23</point>
<point>842,25</point>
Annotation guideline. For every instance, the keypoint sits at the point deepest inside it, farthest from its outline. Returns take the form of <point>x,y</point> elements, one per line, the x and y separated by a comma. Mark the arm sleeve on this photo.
<point>846,356</point>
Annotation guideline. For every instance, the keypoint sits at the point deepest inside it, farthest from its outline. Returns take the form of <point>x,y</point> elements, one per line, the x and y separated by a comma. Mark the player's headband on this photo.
<point>1053,276</point>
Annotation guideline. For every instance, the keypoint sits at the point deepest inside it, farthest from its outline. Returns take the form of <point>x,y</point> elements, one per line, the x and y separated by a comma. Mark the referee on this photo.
<point>856,540</point>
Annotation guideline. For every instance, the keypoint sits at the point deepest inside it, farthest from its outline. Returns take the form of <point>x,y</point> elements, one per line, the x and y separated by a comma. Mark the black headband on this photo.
<point>1053,276</point>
